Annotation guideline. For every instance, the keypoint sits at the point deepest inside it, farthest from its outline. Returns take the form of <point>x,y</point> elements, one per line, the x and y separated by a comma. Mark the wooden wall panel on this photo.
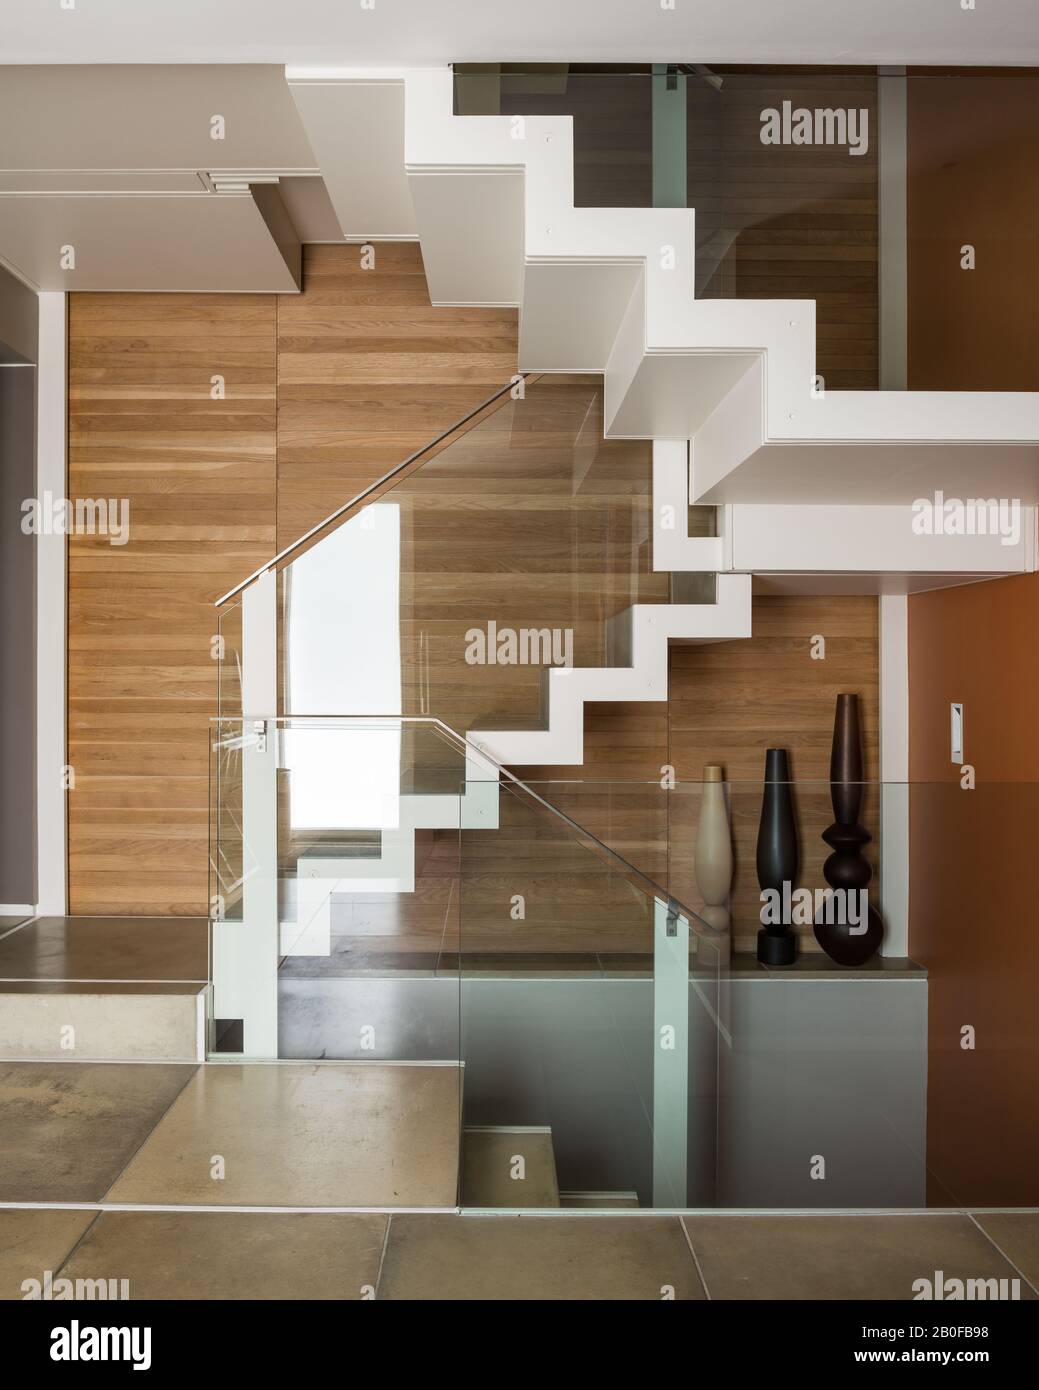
<point>801,219</point>
<point>530,521</point>
<point>613,133</point>
<point>199,475</point>
<point>728,702</point>
<point>369,371</point>
<point>325,391</point>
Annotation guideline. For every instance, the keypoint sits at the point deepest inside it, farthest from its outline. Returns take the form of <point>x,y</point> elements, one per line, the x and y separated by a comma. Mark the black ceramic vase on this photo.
<point>777,858</point>
<point>847,927</point>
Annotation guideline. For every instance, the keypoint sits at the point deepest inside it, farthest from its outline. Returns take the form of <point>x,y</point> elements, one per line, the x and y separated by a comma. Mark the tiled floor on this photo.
<point>1016,1234</point>
<point>244,1255</point>
<point>70,1128</point>
<point>854,1256</point>
<point>32,1242</point>
<point>292,1134</point>
<point>602,1257</point>
<point>370,1135</point>
<point>223,1255</point>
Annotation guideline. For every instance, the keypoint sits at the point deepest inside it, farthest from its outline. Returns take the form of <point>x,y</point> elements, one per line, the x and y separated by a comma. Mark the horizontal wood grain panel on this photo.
<point>323,392</point>
<point>200,478</point>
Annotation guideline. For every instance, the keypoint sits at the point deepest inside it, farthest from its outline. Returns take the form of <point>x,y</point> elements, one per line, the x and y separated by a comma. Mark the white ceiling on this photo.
<point>437,31</point>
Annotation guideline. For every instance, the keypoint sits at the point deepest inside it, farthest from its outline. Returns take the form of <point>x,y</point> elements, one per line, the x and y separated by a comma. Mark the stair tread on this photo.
<point>187,987</point>
<point>488,1163</point>
<point>600,1201</point>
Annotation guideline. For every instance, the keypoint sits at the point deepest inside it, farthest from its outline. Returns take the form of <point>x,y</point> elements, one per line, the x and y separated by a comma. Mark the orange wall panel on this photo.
<point>973,918</point>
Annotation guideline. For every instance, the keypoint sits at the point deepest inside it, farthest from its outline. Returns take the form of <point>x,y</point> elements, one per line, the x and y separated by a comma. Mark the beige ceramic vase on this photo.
<point>714,850</point>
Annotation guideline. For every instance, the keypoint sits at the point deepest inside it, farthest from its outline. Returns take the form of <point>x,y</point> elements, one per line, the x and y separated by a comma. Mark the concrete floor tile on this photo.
<point>69,1128</point>
<point>33,1242</point>
<point>838,1257</point>
<point>298,1134</point>
<point>1017,1235</point>
<point>234,1255</point>
<point>537,1257</point>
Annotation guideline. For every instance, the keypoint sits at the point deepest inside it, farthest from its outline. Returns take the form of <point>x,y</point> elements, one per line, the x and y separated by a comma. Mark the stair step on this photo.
<point>490,1160</point>
<point>101,1022</point>
<point>600,1201</point>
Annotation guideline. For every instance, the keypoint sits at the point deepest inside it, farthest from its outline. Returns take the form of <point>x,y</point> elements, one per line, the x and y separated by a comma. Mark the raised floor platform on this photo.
<point>104,989</point>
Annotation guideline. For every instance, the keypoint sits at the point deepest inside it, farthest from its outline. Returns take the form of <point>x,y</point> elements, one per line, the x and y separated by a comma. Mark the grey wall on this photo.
<point>798,1068</point>
<point>835,1068</point>
<point>18,339</point>
<point>575,1055</point>
<point>19,320</point>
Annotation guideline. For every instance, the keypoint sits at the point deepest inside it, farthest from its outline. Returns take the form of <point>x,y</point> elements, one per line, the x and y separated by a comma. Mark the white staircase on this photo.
<point>612,290</point>
<point>642,634</point>
<point>725,388</point>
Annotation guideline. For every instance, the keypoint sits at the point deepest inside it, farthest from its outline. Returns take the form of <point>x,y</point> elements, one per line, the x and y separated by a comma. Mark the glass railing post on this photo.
<point>245,952</point>
<point>894,867</point>
<point>669,137</point>
<point>893,250</point>
<point>670,1055</point>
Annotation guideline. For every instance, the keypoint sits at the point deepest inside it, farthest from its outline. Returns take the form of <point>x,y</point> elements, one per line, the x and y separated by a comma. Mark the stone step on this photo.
<point>600,1201</point>
<point>101,1021</point>
<point>509,1167</point>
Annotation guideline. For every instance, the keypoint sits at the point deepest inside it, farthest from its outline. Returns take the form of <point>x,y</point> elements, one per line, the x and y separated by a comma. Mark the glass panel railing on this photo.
<point>228,656</point>
<point>659,827</point>
<point>590,1026</point>
<point>395,897</point>
<point>805,1084</point>
<point>333,846</point>
<point>588,952</point>
<point>509,550</point>
<point>902,204</point>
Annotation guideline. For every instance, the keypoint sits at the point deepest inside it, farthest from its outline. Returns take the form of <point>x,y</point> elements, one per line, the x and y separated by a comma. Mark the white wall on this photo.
<point>50,614</point>
<point>18,341</point>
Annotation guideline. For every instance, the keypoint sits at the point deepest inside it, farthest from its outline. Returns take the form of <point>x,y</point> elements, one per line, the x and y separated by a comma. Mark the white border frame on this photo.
<point>893,618</point>
<point>51,474</point>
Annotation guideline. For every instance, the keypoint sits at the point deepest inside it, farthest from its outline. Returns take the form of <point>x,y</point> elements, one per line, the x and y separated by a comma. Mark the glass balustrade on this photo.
<point>585,951</point>
<point>512,547</point>
<point>383,892</point>
<point>903,204</point>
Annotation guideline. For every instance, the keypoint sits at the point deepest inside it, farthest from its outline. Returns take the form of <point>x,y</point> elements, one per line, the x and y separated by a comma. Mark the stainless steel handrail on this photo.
<point>473,751</point>
<point>372,487</point>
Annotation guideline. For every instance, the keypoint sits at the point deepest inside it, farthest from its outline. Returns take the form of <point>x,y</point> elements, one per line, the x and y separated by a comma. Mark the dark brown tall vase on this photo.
<point>777,859</point>
<point>847,926</point>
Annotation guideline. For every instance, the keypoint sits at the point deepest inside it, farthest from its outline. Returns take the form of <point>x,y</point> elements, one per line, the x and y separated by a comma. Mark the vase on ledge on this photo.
<point>714,850</point>
<point>847,926</point>
<point>777,861</point>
